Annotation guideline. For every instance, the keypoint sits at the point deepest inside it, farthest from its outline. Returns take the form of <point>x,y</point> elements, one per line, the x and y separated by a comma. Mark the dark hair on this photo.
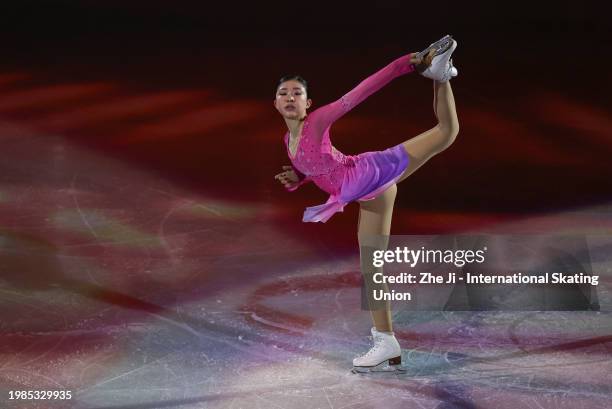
<point>292,77</point>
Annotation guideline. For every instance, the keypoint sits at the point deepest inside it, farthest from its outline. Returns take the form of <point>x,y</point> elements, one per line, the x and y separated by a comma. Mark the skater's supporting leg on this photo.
<point>424,146</point>
<point>373,232</point>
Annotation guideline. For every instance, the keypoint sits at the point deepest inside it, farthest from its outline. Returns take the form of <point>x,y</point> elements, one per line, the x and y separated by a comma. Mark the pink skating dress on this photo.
<point>347,178</point>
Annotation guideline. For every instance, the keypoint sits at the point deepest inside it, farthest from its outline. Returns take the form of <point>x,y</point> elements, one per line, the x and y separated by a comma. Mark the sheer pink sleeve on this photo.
<point>328,114</point>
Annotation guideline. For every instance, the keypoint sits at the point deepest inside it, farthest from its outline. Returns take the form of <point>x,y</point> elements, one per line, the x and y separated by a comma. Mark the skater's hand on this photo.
<point>288,178</point>
<point>421,63</point>
<point>415,59</point>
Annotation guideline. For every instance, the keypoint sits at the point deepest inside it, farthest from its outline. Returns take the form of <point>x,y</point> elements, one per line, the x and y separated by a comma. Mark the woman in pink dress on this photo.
<point>369,178</point>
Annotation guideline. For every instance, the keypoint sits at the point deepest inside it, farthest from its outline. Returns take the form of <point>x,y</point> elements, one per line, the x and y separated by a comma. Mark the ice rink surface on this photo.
<point>133,293</point>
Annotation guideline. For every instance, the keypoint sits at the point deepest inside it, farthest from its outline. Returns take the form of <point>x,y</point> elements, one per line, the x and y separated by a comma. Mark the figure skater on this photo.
<point>369,178</point>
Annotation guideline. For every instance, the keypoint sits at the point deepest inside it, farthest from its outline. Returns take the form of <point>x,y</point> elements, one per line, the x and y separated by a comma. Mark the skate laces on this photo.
<point>377,344</point>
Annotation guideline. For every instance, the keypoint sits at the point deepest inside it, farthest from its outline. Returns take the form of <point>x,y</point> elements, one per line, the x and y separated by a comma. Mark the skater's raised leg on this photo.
<point>424,146</point>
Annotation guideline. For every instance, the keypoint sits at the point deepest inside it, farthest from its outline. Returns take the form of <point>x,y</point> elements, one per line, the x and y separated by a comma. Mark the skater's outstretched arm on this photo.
<point>328,114</point>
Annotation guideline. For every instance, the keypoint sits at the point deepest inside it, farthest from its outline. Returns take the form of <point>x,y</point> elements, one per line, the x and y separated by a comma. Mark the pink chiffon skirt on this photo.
<point>371,174</point>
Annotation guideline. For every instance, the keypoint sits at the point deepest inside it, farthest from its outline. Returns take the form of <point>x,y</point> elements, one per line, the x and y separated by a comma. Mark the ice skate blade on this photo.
<point>440,46</point>
<point>397,369</point>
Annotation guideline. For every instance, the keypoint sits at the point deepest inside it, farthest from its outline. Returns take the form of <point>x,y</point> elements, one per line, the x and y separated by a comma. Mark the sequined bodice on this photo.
<point>324,164</point>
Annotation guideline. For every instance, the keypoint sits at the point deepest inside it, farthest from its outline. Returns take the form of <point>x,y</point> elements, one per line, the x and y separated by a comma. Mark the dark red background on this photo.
<point>532,95</point>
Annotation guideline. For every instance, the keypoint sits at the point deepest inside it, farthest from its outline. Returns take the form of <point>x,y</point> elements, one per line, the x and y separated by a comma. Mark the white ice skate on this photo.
<point>439,46</point>
<point>384,356</point>
<point>441,68</point>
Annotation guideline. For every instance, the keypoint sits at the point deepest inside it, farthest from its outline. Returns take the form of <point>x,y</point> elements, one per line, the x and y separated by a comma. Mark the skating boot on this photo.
<point>441,68</point>
<point>384,356</point>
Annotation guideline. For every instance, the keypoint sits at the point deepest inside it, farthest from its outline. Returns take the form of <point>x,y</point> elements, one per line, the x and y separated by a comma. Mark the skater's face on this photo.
<point>291,100</point>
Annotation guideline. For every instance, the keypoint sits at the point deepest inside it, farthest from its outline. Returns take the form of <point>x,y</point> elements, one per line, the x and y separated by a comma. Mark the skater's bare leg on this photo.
<point>424,146</point>
<point>373,232</point>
